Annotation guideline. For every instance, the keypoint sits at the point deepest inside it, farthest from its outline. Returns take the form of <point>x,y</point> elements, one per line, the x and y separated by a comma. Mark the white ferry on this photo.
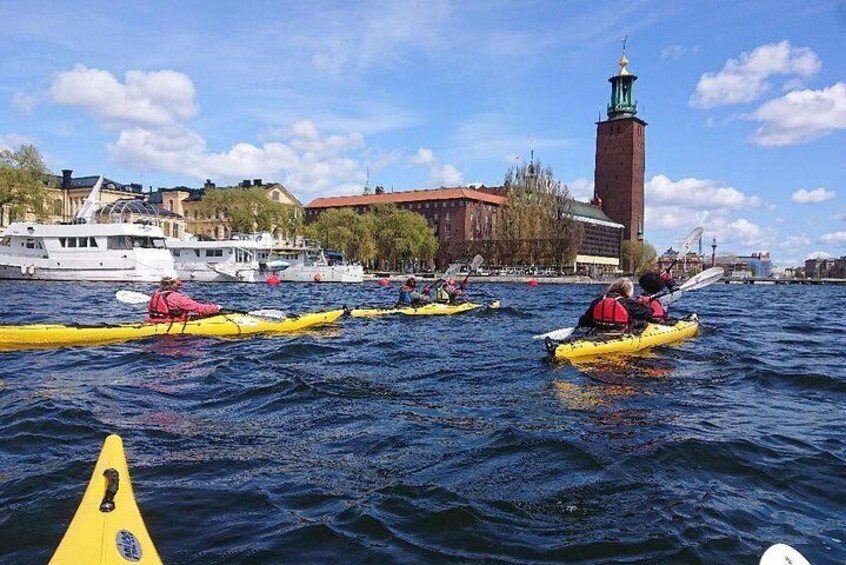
<point>84,250</point>
<point>254,257</point>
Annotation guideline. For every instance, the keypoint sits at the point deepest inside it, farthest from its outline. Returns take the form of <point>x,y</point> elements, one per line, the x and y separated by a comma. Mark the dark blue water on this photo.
<point>438,440</point>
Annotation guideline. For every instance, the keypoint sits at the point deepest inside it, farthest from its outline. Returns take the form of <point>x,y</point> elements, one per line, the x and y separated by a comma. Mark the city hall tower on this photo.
<point>621,156</point>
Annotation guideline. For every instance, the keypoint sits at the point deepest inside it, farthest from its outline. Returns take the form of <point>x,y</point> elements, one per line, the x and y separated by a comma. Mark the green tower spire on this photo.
<point>623,103</point>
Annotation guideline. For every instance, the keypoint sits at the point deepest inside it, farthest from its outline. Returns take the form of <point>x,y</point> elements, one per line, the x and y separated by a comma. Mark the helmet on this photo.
<point>411,281</point>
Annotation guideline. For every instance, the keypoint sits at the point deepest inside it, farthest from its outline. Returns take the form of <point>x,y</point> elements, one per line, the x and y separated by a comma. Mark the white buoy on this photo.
<point>782,554</point>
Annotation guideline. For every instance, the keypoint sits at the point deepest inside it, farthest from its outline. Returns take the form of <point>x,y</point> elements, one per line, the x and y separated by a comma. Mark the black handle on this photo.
<point>113,483</point>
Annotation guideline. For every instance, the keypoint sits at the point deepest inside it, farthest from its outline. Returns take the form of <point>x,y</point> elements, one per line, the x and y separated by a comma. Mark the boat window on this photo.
<point>214,252</point>
<point>175,252</point>
<point>92,242</point>
<point>197,252</point>
<point>71,242</point>
<point>83,242</point>
<point>6,242</point>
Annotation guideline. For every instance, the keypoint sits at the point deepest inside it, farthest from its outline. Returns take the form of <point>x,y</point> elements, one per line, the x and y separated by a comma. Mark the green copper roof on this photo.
<point>587,210</point>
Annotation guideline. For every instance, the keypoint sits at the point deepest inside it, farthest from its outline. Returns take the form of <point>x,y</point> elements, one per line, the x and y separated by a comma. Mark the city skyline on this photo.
<point>746,122</point>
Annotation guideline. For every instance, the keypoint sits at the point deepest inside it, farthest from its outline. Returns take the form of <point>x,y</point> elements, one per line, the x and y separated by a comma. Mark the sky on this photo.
<point>745,100</point>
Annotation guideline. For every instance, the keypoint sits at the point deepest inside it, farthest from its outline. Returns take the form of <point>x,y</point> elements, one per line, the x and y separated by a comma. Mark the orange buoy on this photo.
<point>533,282</point>
<point>316,277</point>
<point>273,279</point>
<point>384,282</point>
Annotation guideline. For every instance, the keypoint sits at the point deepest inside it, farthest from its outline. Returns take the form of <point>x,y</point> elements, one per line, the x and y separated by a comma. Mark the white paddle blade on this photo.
<point>703,279</point>
<point>476,263</point>
<point>270,314</point>
<point>556,335</point>
<point>131,297</point>
<point>690,241</point>
<point>782,554</point>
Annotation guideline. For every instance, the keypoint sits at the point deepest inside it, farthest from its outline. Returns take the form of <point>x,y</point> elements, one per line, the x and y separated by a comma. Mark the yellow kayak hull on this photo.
<point>224,325</point>
<point>434,309</point>
<point>653,336</point>
<point>99,537</point>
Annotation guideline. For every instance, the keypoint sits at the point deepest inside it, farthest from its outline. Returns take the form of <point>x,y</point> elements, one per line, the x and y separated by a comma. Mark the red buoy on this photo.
<point>316,277</point>
<point>273,279</point>
<point>533,282</point>
<point>384,282</point>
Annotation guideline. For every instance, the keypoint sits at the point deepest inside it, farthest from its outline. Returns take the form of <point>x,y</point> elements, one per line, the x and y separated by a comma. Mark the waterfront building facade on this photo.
<point>830,268</point>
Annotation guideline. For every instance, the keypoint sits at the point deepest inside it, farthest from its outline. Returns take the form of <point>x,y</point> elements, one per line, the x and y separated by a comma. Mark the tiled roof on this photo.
<point>407,196</point>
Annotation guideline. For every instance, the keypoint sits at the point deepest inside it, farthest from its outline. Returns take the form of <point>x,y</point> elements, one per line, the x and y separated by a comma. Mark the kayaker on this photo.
<point>168,305</point>
<point>450,293</point>
<point>409,295</point>
<point>653,283</point>
<point>616,310</point>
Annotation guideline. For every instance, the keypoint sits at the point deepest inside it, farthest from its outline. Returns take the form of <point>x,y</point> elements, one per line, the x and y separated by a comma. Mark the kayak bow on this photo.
<point>107,527</point>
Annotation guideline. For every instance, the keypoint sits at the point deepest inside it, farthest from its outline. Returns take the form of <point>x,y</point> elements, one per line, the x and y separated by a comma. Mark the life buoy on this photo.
<point>316,277</point>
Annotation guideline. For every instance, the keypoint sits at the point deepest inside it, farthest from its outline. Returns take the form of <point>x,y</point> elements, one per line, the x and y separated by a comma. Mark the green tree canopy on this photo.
<point>249,209</point>
<point>638,256</point>
<point>383,232</point>
<point>536,224</point>
<point>22,175</point>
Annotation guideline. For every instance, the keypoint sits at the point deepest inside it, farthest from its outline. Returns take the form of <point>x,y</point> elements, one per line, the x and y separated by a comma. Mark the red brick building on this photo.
<point>621,156</point>
<point>460,213</point>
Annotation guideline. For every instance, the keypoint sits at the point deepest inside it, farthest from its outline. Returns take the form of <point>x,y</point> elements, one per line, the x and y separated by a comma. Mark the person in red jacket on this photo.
<point>616,310</point>
<point>168,305</point>
<point>653,283</point>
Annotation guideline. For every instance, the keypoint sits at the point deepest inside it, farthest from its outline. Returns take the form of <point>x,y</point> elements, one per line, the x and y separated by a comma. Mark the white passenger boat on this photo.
<point>310,264</point>
<point>254,257</point>
<point>244,258</point>
<point>85,251</point>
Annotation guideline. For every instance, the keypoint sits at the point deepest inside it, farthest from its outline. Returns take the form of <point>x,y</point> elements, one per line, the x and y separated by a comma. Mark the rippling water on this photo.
<point>441,439</point>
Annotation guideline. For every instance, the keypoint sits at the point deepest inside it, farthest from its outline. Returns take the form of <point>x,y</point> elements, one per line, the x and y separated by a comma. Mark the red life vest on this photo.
<point>609,313</point>
<point>658,312</point>
<point>160,312</point>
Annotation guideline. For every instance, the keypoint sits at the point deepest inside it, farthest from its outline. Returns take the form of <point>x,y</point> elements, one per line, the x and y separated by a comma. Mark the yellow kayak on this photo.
<point>224,325</point>
<point>605,344</point>
<point>433,309</point>
<point>107,527</point>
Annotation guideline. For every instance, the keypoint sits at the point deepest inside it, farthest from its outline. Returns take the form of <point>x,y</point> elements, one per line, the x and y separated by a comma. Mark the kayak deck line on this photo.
<point>431,309</point>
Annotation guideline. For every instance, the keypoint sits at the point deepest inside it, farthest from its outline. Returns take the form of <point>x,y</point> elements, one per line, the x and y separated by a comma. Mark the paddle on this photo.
<point>686,246</point>
<point>703,279</point>
<point>131,297</point>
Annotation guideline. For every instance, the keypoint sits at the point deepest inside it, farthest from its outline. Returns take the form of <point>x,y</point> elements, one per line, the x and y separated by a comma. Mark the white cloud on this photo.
<point>746,79</point>
<point>819,255</point>
<point>801,116</point>
<point>794,242</point>
<point>817,195</point>
<point>834,238</point>
<point>13,141</point>
<point>424,157</point>
<point>145,98</point>
<point>581,189</point>
<point>439,175</point>
<point>676,52</point>
<point>697,194</point>
<point>24,102</point>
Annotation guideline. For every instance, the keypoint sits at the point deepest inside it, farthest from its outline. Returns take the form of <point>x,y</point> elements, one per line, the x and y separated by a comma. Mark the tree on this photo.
<point>22,175</point>
<point>342,229</point>
<point>638,256</point>
<point>248,209</point>
<point>402,235</point>
<point>536,225</point>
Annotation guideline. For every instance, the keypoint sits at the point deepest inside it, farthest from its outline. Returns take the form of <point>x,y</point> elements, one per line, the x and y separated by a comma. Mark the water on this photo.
<point>438,440</point>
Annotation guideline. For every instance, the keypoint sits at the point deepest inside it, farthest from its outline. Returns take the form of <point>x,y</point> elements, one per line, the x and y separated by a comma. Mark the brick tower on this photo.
<point>621,156</point>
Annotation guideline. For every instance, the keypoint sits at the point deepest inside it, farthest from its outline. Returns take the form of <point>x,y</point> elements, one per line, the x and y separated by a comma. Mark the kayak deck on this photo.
<point>107,528</point>
<point>433,309</point>
<point>606,344</point>
<point>224,325</point>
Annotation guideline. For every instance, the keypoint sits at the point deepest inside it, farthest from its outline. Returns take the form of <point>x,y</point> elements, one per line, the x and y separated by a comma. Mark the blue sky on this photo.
<point>746,101</point>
